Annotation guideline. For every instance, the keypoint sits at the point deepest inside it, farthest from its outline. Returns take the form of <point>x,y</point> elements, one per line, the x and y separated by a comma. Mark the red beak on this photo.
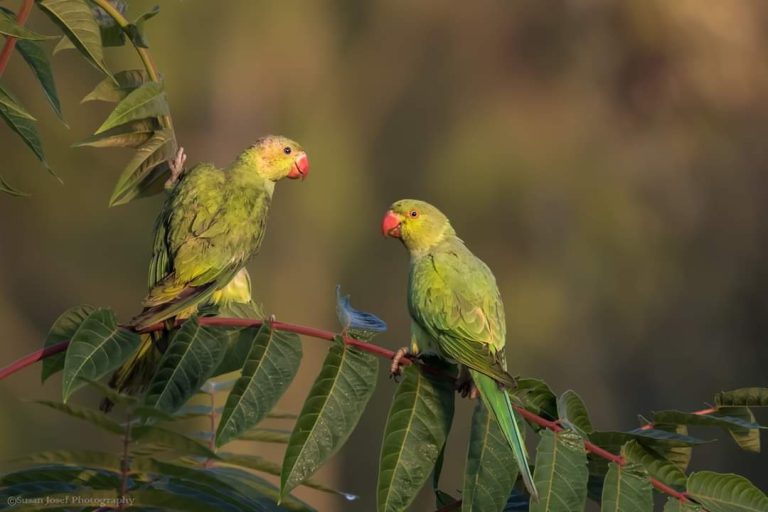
<point>390,225</point>
<point>300,167</point>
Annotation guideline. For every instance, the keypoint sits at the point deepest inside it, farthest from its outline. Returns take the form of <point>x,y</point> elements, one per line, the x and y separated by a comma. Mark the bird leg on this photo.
<point>465,386</point>
<point>177,168</point>
<point>394,369</point>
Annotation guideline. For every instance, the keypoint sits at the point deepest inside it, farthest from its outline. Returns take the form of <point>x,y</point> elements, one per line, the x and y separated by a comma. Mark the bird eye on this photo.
<point>287,150</point>
<point>414,213</point>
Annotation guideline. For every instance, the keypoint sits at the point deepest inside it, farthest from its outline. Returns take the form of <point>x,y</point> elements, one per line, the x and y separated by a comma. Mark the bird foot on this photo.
<point>394,370</point>
<point>466,388</point>
<point>177,168</point>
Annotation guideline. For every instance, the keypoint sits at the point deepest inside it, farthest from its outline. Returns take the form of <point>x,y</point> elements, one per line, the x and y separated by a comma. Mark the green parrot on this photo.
<point>212,222</point>
<point>456,312</point>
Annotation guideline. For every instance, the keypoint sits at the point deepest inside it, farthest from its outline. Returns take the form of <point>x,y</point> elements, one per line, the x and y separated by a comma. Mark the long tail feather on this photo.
<point>498,402</point>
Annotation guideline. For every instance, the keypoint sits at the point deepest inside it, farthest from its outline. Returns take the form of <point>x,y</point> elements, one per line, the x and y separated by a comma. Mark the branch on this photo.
<point>313,332</point>
<point>10,42</point>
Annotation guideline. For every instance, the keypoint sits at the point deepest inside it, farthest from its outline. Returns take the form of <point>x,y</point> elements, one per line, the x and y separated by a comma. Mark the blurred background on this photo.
<point>607,160</point>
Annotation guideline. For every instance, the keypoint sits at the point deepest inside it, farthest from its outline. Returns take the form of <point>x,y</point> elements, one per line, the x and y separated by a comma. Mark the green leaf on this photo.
<point>147,100</point>
<point>561,472</point>
<point>747,439</point>
<point>22,122</point>
<point>9,27</point>
<point>98,347</point>
<point>752,397</point>
<point>172,440</point>
<point>96,418</point>
<point>258,463</point>
<point>490,471</point>
<point>76,20</point>
<point>38,61</point>
<point>115,90</point>
<point>627,489</point>
<point>537,397</point>
<point>675,505</point>
<point>571,408</point>
<point>192,355</point>
<point>680,456</point>
<point>62,330</point>
<point>719,492</point>
<point>269,368</point>
<point>63,44</point>
<point>655,465</point>
<point>129,135</point>
<point>417,426</point>
<point>145,167</point>
<point>332,410</point>
<point>6,188</point>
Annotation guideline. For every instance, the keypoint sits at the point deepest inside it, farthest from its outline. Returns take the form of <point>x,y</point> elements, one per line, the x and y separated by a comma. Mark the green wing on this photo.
<point>204,235</point>
<point>455,299</point>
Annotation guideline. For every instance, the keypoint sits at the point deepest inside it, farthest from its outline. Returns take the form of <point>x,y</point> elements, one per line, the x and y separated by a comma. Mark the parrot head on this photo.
<point>418,224</point>
<point>277,157</point>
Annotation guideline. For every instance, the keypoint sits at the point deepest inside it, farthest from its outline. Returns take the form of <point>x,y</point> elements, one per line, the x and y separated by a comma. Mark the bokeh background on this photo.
<point>608,160</point>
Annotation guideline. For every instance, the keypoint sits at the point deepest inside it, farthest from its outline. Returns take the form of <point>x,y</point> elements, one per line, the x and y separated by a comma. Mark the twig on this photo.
<point>313,332</point>
<point>10,42</point>
<point>125,465</point>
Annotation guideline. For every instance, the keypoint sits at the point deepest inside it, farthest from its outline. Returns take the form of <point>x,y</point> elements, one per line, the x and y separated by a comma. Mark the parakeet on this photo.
<point>212,222</point>
<point>456,311</point>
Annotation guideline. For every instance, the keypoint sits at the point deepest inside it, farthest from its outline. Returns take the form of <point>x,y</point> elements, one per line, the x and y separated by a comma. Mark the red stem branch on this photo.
<point>313,332</point>
<point>10,42</point>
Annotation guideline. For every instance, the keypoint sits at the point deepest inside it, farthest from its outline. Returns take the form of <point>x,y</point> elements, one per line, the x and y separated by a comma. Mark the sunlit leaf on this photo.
<point>719,492</point>
<point>417,426</point>
<point>192,354</point>
<point>751,397</point>
<point>145,168</point>
<point>115,90</point>
<point>270,367</point>
<point>129,135</point>
<point>741,424</point>
<point>747,439</point>
<point>561,472</point>
<point>147,100</point>
<point>98,347</point>
<point>38,61</point>
<point>490,472</point>
<point>627,489</point>
<point>571,409</point>
<point>76,20</point>
<point>333,408</point>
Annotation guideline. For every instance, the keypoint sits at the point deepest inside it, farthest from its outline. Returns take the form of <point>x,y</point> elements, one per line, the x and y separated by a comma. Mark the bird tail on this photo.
<point>498,402</point>
<point>136,373</point>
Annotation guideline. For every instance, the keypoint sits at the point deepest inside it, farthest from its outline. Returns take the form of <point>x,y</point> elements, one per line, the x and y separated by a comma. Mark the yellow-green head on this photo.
<point>276,157</point>
<point>418,224</point>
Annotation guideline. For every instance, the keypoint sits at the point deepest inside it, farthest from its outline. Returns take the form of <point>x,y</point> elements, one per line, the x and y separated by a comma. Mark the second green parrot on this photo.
<point>456,311</point>
<point>213,221</point>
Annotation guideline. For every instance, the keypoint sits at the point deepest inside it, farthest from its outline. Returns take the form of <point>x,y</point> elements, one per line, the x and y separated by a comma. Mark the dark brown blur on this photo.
<point>608,160</point>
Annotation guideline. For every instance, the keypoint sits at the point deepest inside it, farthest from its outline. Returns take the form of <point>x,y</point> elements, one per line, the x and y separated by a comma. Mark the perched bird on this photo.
<point>456,312</point>
<point>213,221</point>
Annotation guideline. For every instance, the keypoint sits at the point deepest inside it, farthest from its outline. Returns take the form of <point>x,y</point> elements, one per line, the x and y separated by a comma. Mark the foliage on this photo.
<point>141,117</point>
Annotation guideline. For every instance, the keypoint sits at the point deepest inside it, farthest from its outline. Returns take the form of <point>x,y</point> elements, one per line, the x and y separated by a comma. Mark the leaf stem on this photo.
<point>144,55</point>
<point>10,42</point>
<point>313,332</point>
